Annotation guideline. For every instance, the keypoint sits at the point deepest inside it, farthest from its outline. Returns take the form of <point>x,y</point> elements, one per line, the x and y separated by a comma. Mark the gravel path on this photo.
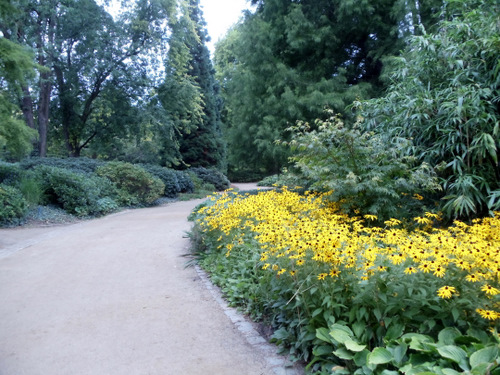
<point>113,296</point>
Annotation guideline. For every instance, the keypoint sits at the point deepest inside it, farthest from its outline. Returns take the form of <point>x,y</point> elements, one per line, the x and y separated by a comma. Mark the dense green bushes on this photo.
<point>135,186</point>
<point>87,187</point>
<point>12,204</point>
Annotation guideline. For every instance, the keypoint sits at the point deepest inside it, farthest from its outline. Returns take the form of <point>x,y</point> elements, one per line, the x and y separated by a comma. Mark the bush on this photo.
<point>167,176</point>
<point>9,173</point>
<point>31,189</point>
<point>186,184</point>
<point>364,172</point>
<point>76,193</point>
<point>13,206</point>
<point>212,176</point>
<point>75,164</point>
<point>135,185</point>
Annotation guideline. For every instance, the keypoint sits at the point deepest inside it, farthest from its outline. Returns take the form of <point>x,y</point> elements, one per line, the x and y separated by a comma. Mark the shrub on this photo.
<point>13,206</point>
<point>76,193</point>
<point>186,184</point>
<point>75,164</point>
<point>364,172</point>
<point>167,176</point>
<point>212,176</point>
<point>135,185</point>
<point>31,189</point>
<point>9,172</point>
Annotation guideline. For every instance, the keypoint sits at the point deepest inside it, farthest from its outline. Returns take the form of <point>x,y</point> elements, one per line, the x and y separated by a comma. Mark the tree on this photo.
<point>293,59</point>
<point>84,51</point>
<point>204,146</point>
<point>16,65</point>
<point>444,95</point>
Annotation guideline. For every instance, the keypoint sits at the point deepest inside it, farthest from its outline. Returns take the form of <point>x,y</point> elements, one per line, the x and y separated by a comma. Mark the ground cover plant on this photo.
<point>349,297</point>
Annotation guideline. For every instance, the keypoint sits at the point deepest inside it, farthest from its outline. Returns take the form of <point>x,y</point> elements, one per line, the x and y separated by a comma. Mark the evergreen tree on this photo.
<point>204,146</point>
<point>289,60</point>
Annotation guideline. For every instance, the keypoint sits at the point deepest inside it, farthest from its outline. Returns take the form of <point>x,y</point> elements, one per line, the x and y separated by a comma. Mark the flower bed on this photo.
<point>351,298</point>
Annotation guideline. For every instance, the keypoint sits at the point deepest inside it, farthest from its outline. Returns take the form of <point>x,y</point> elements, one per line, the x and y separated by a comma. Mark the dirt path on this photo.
<point>112,296</point>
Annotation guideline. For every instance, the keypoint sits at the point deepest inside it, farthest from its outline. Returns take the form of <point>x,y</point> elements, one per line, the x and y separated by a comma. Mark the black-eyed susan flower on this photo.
<point>488,314</point>
<point>488,289</point>
<point>446,291</point>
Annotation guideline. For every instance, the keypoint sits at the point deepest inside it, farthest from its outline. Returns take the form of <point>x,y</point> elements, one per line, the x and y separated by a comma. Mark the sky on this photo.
<point>220,15</point>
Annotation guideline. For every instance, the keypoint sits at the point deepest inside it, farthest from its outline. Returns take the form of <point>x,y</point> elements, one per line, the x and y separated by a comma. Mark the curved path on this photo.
<point>113,296</point>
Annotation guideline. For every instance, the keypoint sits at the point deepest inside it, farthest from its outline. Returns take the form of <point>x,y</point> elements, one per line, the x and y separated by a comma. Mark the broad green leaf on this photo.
<point>354,346</point>
<point>449,371</point>
<point>343,353</point>
<point>455,354</point>
<point>448,335</point>
<point>485,355</point>
<point>322,350</point>
<point>323,334</point>
<point>379,356</point>
<point>340,333</point>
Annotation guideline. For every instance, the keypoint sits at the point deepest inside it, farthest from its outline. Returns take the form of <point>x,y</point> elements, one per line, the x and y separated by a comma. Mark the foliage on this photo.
<point>351,298</point>
<point>77,193</point>
<point>167,176</point>
<point>212,176</point>
<point>135,185</point>
<point>365,173</point>
<point>444,96</point>
<point>82,164</point>
<point>13,206</point>
<point>186,184</point>
<point>289,60</point>
<point>15,136</point>
<point>9,172</point>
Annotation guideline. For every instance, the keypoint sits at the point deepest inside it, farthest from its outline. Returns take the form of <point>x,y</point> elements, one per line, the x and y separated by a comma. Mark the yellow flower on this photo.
<point>488,314</point>
<point>300,262</point>
<point>417,197</point>
<point>275,267</point>
<point>410,270</point>
<point>446,291</point>
<point>322,276</point>
<point>488,289</point>
<point>371,217</point>
<point>472,278</point>
<point>282,271</point>
<point>265,266</point>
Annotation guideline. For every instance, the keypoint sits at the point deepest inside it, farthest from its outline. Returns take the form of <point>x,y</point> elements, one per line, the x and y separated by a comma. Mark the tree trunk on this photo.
<point>43,112</point>
<point>27,107</point>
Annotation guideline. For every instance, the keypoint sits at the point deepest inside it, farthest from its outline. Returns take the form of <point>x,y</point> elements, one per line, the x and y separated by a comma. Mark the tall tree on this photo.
<point>292,59</point>
<point>204,147</point>
<point>16,65</point>
<point>190,93</point>
<point>84,51</point>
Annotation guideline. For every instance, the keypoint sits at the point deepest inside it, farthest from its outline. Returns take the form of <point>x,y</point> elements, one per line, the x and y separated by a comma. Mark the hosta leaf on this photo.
<point>379,356</point>
<point>485,355</point>
<point>354,346</point>
<point>455,354</point>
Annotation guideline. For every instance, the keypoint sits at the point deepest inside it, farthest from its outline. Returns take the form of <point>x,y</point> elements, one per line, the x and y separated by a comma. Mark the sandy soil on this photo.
<point>113,296</point>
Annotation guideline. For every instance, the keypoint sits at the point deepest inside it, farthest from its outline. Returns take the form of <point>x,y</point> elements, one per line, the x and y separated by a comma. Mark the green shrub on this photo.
<point>186,184</point>
<point>167,176</point>
<point>212,176</point>
<point>239,175</point>
<point>135,185</point>
<point>365,172</point>
<point>76,193</point>
<point>75,164</point>
<point>9,172</point>
<point>13,206</point>
<point>31,189</point>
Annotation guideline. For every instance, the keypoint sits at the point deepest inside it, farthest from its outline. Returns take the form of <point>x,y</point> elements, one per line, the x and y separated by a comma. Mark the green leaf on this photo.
<point>343,353</point>
<point>455,354</point>
<point>340,333</point>
<point>323,334</point>
<point>322,350</point>
<point>449,371</point>
<point>485,355</point>
<point>354,346</point>
<point>379,356</point>
<point>448,335</point>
